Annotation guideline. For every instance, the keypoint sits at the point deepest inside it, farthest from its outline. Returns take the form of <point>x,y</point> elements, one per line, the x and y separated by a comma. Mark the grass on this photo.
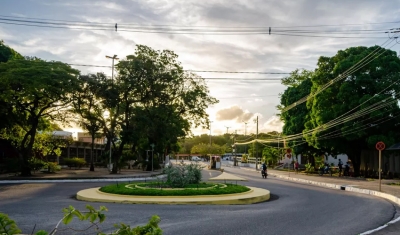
<point>121,189</point>
<point>164,185</point>
<point>395,183</point>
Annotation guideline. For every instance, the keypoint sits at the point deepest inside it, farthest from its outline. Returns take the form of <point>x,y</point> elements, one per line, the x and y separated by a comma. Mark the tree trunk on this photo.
<point>91,154</point>
<point>27,151</point>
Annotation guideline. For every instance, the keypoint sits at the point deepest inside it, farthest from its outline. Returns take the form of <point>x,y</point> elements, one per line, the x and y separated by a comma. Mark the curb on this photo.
<point>256,195</point>
<point>82,180</point>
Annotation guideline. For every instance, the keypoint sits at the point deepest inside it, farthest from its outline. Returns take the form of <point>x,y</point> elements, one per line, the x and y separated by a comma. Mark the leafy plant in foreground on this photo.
<point>95,217</point>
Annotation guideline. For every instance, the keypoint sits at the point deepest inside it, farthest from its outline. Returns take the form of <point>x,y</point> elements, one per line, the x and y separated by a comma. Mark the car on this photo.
<point>195,158</point>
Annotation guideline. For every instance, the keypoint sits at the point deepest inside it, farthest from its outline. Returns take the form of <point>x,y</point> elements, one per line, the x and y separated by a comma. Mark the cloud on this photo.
<point>233,113</point>
<point>272,124</point>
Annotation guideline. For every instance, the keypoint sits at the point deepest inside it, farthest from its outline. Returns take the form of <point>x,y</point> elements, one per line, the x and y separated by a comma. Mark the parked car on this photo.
<point>195,158</point>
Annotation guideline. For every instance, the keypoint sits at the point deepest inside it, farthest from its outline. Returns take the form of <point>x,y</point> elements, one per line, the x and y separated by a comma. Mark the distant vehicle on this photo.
<point>195,158</point>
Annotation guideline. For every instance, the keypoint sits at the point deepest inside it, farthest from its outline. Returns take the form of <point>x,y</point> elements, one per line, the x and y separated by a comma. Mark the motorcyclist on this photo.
<point>264,167</point>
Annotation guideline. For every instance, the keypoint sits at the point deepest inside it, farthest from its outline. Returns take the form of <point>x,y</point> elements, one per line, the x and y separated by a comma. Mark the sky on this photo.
<point>215,45</point>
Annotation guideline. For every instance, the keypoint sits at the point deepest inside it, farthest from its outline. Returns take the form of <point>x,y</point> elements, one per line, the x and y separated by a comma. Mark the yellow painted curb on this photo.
<point>255,195</point>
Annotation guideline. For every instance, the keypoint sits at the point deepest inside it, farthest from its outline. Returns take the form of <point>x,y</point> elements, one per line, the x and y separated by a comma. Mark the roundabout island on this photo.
<point>200,194</point>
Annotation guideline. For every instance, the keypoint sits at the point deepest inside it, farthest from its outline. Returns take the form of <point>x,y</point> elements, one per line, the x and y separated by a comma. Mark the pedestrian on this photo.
<point>296,167</point>
<point>340,165</point>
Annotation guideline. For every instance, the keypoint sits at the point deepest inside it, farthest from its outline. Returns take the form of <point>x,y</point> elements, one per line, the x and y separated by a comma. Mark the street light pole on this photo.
<point>245,133</point>
<point>152,156</point>
<point>210,140</point>
<point>256,144</point>
<point>112,82</point>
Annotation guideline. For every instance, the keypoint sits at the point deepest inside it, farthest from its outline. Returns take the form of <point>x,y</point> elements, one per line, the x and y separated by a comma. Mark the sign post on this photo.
<point>380,146</point>
<point>289,155</point>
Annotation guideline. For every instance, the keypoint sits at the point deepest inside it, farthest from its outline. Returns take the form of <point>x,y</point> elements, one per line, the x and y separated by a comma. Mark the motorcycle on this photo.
<point>264,173</point>
<point>325,169</point>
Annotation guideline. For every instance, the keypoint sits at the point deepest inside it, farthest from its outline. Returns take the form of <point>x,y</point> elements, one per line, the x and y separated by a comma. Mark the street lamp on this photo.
<point>152,156</point>
<point>112,67</point>
<point>112,80</point>
<point>210,140</point>
<point>245,132</point>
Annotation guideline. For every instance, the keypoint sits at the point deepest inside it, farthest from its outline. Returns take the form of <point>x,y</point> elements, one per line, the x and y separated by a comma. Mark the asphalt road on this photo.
<point>293,209</point>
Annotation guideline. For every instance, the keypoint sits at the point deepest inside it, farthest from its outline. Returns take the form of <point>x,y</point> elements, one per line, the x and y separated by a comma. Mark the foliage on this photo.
<point>205,149</point>
<point>245,158</point>
<point>93,216</point>
<point>74,162</point>
<point>34,90</point>
<point>149,229</point>
<point>271,155</point>
<point>47,144</point>
<point>309,167</point>
<point>52,166</point>
<point>155,101</point>
<point>181,175</point>
<point>8,226</point>
<point>121,189</point>
<point>86,104</point>
<point>36,164</point>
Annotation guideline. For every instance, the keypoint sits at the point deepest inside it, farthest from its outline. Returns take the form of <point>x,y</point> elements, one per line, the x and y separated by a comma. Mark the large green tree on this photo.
<point>86,104</point>
<point>299,85</point>
<point>155,96</point>
<point>367,97</point>
<point>33,90</point>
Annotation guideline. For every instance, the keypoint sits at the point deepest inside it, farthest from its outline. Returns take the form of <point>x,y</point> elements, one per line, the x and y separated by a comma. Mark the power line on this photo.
<point>191,70</point>
<point>201,26</point>
<point>193,30</point>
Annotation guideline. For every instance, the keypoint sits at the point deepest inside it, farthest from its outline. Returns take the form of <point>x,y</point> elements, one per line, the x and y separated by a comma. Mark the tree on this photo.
<point>299,85</point>
<point>368,98</point>
<point>7,53</point>
<point>86,104</point>
<point>157,97</point>
<point>35,90</point>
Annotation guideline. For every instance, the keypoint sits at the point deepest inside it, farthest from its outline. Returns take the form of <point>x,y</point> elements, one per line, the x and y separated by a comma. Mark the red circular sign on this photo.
<point>380,146</point>
<point>288,150</point>
<point>289,155</point>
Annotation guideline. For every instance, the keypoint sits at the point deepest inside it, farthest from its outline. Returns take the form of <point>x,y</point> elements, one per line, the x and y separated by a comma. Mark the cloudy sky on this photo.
<point>211,35</point>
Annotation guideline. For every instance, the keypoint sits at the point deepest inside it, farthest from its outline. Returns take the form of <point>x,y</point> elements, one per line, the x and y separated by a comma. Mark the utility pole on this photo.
<point>234,150</point>
<point>210,140</point>
<point>245,132</point>
<point>112,82</point>
<point>256,145</point>
<point>227,129</point>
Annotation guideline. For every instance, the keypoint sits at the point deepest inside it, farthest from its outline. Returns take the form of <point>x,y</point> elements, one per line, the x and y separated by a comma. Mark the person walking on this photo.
<point>296,167</point>
<point>340,165</point>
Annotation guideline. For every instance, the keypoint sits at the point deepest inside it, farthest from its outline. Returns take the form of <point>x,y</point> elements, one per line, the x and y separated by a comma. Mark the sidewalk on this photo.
<point>83,173</point>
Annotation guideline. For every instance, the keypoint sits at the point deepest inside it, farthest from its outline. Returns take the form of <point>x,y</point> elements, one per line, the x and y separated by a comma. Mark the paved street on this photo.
<point>293,209</point>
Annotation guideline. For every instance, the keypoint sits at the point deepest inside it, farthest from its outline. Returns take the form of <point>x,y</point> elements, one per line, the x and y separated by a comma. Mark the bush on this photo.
<point>181,175</point>
<point>52,166</point>
<point>36,164</point>
<point>74,162</point>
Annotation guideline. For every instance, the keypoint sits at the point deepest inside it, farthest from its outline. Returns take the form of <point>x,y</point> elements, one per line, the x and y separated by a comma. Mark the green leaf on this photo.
<point>67,219</point>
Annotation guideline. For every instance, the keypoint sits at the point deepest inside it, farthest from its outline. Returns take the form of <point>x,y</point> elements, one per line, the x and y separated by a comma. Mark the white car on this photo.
<point>196,159</point>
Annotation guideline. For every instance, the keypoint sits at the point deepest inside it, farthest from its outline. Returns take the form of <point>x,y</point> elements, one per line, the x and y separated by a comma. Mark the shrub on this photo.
<point>181,175</point>
<point>36,164</point>
<point>52,166</point>
<point>245,158</point>
<point>74,162</point>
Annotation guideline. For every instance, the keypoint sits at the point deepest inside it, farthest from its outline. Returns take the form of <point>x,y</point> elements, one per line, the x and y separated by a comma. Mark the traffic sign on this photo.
<point>380,146</point>
<point>288,151</point>
<point>289,155</point>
